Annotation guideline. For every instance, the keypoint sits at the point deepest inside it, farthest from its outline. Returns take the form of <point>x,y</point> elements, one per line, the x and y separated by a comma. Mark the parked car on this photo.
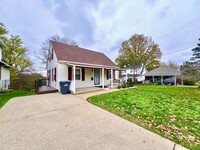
<point>169,81</point>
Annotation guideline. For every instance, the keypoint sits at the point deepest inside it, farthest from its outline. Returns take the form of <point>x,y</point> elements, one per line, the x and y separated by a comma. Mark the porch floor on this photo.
<point>46,89</point>
<point>88,89</point>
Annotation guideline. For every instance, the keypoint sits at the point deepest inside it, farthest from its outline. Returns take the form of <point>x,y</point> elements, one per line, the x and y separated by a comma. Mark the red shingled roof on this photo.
<point>70,53</point>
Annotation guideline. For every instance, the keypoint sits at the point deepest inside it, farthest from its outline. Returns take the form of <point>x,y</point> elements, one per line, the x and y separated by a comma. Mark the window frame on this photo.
<point>80,70</point>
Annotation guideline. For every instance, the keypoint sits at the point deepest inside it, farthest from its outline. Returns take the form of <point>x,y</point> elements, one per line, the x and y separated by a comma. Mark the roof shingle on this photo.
<point>163,71</point>
<point>65,52</point>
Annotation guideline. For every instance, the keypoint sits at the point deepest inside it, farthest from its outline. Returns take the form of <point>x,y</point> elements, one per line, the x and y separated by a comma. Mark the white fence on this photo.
<point>4,84</point>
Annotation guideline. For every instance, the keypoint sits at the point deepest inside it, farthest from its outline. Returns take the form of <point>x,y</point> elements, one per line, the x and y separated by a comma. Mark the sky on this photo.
<point>102,25</point>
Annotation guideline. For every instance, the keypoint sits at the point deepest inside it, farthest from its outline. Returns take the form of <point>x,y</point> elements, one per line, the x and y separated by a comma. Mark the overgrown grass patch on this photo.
<point>4,97</point>
<point>173,112</point>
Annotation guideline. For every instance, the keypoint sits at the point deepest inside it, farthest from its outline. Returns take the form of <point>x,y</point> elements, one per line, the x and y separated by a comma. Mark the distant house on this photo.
<point>83,67</point>
<point>162,73</point>
<point>134,73</point>
<point>4,70</point>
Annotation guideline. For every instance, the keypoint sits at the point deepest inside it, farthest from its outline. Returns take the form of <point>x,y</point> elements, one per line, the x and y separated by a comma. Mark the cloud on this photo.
<point>31,20</point>
<point>115,21</point>
<point>103,25</point>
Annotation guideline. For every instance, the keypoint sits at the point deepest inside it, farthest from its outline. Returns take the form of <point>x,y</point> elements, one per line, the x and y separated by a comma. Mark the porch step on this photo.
<point>46,89</point>
<point>87,90</point>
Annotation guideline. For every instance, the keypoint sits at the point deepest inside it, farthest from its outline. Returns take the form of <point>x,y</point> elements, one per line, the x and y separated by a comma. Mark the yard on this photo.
<point>172,112</point>
<point>4,97</point>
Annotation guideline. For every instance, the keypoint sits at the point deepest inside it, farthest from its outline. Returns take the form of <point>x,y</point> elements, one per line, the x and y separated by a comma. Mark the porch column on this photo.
<point>111,78</point>
<point>153,79</point>
<point>161,80</point>
<point>74,78</point>
<point>126,76</point>
<point>102,78</point>
<point>175,80</point>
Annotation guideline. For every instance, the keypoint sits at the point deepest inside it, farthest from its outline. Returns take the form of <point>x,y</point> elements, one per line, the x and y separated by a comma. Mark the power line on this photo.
<point>191,23</point>
<point>179,50</point>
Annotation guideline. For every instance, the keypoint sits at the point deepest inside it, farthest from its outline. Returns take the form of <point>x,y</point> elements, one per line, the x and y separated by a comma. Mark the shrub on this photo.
<point>25,81</point>
<point>6,91</point>
<point>189,82</point>
<point>198,84</point>
<point>124,86</point>
<point>119,87</point>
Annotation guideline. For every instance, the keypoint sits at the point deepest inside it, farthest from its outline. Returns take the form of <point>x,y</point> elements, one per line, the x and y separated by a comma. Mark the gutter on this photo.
<point>86,64</point>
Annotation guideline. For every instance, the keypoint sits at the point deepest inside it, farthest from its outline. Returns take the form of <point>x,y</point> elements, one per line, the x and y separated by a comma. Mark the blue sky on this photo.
<point>102,25</point>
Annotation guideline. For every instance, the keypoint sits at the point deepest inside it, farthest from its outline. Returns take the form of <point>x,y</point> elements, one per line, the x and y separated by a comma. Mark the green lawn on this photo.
<point>4,97</point>
<point>172,112</point>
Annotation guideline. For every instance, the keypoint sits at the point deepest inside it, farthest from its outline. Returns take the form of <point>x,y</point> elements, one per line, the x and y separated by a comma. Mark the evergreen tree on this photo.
<point>196,56</point>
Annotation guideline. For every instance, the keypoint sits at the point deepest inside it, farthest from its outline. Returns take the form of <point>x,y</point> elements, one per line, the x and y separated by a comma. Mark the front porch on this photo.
<point>44,88</point>
<point>86,78</point>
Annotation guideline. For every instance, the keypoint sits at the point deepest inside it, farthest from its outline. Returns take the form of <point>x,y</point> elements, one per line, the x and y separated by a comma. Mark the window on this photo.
<point>78,74</point>
<point>109,74</point>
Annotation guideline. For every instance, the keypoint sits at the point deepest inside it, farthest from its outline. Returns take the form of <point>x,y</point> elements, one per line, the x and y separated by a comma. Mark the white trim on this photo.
<point>102,78</point>
<point>86,64</point>
<point>74,78</point>
<point>111,77</point>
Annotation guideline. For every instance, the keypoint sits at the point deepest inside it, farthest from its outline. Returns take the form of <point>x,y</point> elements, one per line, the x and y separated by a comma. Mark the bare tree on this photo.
<point>44,50</point>
<point>171,64</point>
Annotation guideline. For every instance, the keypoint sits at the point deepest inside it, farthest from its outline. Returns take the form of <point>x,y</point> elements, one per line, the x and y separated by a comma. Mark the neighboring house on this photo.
<point>135,73</point>
<point>4,71</point>
<point>84,68</point>
<point>160,74</point>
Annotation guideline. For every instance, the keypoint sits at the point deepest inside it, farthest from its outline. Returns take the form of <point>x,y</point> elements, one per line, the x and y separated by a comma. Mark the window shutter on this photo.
<point>83,74</point>
<point>52,54</point>
<point>55,74</point>
<point>0,72</point>
<point>107,73</point>
<point>114,74</point>
<point>69,73</point>
<point>52,74</point>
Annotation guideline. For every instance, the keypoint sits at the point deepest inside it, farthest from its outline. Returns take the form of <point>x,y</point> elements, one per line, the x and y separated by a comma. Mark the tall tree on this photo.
<point>139,50</point>
<point>196,56</point>
<point>3,30</point>
<point>15,55</point>
<point>44,50</point>
<point>189,72</point>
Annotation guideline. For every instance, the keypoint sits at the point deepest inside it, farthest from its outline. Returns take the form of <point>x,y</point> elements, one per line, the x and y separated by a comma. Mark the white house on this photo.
<point>135,73</point>
<point>4,71</point>
<point>83,67</point>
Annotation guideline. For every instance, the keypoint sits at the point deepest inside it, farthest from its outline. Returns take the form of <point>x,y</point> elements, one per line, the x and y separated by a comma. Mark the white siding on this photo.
<point>88,82</point>
<point>89,74</point>
<point>0,53</point>
<point>50,66</point>
<point>62,74</point>
<point>5,73</point>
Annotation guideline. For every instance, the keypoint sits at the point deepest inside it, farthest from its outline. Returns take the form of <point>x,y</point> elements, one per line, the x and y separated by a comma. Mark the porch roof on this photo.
<point>77,55</point>
<point>163,71</point>
<point>4,64</point>
<point>88,65</point>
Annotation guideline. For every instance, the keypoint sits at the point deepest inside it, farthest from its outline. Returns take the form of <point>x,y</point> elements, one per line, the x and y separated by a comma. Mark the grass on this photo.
<point>4,97</point>
<point>172,112</point>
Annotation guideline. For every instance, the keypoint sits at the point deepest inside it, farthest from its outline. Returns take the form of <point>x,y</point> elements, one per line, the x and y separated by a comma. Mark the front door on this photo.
<point>96,76</point>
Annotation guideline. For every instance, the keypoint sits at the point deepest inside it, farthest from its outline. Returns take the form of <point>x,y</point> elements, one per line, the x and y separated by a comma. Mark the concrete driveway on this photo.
<point>58,122</point>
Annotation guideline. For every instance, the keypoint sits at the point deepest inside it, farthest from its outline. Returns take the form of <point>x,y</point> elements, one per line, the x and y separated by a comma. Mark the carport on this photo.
<point>161,73</point>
